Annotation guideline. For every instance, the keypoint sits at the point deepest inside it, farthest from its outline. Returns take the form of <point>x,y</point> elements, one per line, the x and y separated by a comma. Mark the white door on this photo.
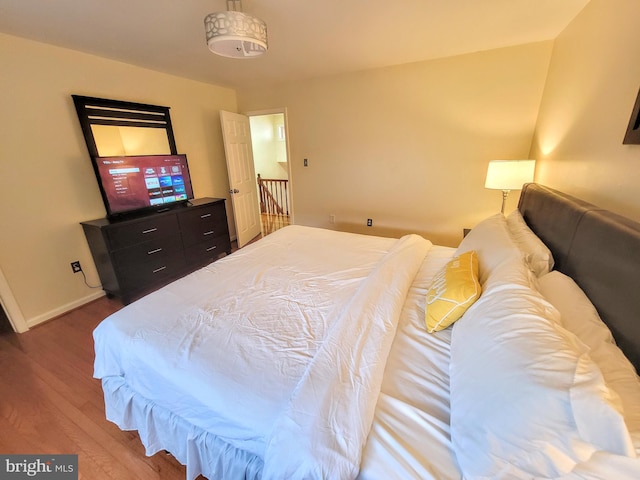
<point>236,135</point>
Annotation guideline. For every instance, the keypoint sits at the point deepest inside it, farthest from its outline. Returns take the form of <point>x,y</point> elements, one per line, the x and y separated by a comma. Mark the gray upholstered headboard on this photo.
<point>599,249</point>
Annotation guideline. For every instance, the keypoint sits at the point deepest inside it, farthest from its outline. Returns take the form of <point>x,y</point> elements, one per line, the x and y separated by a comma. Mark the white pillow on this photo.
<point>580,317</point>
<point>492,242</point>
<point>536,253</point>
<point>526,399</point>
<point>578,314</point>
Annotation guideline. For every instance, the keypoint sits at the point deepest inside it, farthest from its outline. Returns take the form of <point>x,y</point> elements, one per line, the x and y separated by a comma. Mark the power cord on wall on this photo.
<point>86,283</point>
<point>77,268</point>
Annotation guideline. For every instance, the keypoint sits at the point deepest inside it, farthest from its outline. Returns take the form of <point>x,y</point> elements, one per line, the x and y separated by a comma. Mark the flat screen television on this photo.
<point>136,183</point>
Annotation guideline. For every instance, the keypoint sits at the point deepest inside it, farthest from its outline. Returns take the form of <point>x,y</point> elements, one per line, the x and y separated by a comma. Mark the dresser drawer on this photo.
<point>156,250</point>
<point>201,225</point>
<point>153,272</point>
<point>207,251</point>
<point>132,233</point>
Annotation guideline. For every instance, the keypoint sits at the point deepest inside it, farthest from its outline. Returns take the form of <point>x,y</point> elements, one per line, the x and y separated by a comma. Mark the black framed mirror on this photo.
<point>119,128</point>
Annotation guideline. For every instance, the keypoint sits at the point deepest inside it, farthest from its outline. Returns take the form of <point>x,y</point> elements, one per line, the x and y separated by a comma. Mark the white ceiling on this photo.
<point>307,38</point>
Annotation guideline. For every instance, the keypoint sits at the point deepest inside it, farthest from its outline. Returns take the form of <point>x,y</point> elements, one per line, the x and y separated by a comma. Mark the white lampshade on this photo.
<point>235,34</point>
<point>509,174</point>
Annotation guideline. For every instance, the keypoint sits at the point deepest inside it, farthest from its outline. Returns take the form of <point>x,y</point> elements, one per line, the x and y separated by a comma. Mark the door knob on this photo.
<point>235,190</point>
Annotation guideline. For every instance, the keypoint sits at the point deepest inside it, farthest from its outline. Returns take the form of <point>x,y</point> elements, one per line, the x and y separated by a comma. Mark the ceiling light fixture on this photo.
<point>235,34</point>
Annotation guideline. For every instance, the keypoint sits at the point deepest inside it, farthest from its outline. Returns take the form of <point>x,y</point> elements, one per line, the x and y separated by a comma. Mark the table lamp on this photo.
<point>507,175</point>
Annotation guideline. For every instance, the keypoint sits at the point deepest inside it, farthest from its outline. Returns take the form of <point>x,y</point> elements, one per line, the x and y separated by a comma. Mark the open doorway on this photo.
<point>5,325</point>
<point>271,161</point>
<point>9,310</point>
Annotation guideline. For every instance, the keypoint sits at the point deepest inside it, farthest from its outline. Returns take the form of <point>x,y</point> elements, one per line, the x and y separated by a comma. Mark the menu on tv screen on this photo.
<point>136,182</point>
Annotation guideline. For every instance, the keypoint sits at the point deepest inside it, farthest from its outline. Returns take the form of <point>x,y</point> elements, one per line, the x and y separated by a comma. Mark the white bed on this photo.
<point>305,355</point>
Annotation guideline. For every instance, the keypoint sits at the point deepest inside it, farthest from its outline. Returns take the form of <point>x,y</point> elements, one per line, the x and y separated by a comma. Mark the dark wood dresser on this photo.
<point>134,256</point>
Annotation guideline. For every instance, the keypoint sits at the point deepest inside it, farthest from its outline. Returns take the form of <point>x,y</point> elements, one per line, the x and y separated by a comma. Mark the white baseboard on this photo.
<point>32,322</point>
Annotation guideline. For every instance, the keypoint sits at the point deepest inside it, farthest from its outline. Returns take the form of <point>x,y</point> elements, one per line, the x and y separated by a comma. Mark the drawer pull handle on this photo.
<point>159,269</point>
<point>212,248</point>
<point>206,215</point>
<point>151,230</point>
<point>210,232</point>
<point>151,252</point>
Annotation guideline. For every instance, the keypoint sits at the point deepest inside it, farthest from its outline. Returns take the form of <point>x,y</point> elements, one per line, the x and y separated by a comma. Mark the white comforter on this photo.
<point>279,352</point>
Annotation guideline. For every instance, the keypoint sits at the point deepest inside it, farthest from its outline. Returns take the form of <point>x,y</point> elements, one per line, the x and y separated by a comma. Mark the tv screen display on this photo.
<point>139,182</point>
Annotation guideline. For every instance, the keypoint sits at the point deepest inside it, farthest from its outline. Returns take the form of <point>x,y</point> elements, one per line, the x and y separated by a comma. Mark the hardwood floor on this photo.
<point>271,223</point>
<point>50,403</point>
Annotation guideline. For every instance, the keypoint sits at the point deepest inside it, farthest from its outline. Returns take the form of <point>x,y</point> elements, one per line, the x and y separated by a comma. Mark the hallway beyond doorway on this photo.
<point>270,223</point>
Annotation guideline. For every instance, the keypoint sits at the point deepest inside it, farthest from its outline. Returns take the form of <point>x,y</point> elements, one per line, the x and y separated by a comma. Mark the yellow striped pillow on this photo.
<point>454,289</point>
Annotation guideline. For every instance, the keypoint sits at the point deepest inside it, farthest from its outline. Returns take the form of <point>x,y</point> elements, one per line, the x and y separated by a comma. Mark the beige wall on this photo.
<point>48,185</point>
<point>409,145</point>
<point>593,81</point>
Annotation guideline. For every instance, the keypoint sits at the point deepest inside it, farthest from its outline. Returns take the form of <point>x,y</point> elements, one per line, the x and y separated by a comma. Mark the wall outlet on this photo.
<point>332,219</point>
<point>75,266</point>
<point>369,222</point>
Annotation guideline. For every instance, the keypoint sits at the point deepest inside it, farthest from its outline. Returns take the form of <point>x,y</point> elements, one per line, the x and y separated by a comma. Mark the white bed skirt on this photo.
<point>201,451</point>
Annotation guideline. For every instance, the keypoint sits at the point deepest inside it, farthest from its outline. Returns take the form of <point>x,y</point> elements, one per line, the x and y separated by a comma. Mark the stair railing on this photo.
<point>274,196</point>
